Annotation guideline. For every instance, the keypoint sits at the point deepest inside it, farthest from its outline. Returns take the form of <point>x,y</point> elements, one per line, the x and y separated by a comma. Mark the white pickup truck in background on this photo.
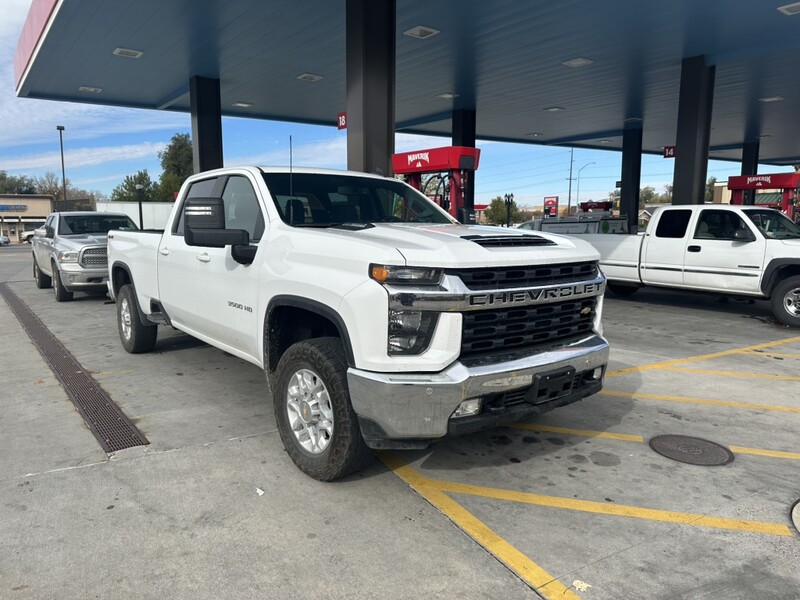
<point>379,320</point>
<point>736,250</point>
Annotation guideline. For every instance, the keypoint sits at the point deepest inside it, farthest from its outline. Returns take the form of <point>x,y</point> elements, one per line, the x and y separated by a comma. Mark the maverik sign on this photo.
<point>764,182</point>
<point>449,158</point>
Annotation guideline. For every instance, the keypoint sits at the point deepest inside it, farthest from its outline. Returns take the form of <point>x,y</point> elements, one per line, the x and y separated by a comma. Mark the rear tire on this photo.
<point>622,290</point>
<point>136,337</point>
<point>61,293</point>
<point>42,281</point>
<point>785,301</point>
<point>315,418</point>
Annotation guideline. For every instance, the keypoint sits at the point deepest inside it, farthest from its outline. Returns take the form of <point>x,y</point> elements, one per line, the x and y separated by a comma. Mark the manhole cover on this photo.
<point>691,450</point>
<point>795,515</point>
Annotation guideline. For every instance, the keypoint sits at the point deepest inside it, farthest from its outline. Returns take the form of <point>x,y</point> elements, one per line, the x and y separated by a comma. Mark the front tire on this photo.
<point>42,281</point>
<point>315,418</point>
<point>136,337</point>
<point>785,301</point>
<point>61,293</point>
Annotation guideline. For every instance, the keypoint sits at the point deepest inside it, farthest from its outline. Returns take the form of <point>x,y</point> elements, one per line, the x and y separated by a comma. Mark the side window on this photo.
<point>717,225</point>
<point>673,223</point>
<point>199,189</point>
<point>241,207</point>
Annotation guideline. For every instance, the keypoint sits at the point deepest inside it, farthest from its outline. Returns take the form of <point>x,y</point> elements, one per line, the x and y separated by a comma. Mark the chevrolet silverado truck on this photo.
<point>745,251</point>
<point>69,251</point>
<point>379,320</point>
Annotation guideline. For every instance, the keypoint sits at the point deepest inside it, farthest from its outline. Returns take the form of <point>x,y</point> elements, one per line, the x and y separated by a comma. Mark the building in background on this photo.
<point>23,212</point>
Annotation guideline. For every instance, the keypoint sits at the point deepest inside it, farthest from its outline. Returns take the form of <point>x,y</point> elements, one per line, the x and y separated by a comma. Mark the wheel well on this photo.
<point>783,273</point>
<point>287,325</point>
<point>119,277</point>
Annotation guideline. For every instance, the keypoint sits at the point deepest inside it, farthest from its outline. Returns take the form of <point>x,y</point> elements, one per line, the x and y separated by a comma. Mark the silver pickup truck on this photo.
<point>69,251</point>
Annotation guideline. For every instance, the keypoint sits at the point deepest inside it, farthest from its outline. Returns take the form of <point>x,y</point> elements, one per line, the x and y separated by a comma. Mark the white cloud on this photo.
<point>83,157</point>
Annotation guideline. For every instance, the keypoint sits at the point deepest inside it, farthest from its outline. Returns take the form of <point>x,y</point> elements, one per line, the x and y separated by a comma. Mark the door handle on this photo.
<point>693,248</point>
<point>204,257</point>
<point>164,251</point>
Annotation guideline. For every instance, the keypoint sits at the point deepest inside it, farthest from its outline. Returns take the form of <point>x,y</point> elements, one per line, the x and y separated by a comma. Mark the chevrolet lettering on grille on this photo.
<point>535,296</point>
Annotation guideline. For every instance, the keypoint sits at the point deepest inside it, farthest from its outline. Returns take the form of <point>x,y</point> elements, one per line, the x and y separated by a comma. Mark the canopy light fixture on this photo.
<point>790,9</point>
<point>604,142</point>
<point>242,104</point>
<point>309,77</point>
<point>421,32</point>
<point>580,61</point>
<point>447,96</point>
<point>553,108</point>
<point>127,53</point>
<point>771,99</point>
<point>764,137</point>
<point>533,134</point>
<point>90,90</point>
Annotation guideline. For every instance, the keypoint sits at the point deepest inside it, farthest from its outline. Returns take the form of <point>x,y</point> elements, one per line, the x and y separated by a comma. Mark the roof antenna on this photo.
<point>290,167</point>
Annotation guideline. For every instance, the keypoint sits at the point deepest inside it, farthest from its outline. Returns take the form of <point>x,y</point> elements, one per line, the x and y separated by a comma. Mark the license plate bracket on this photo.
<point>551,385</point>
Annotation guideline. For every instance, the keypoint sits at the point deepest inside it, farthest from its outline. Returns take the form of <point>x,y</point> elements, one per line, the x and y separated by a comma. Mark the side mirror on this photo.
<point>38,233</point>
<point>204,225</point>
<point>744,235</point>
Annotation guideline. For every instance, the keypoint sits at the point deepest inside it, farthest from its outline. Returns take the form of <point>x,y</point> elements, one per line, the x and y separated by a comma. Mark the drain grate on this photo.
<point>691,450</point>
<point>106,421</point>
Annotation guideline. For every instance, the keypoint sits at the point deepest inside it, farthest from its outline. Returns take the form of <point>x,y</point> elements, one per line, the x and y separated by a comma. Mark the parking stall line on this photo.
<point>681,361</point>
<point>733,374</point>
<point>625,437</point>
<point>688,400</point>
<point>536,577</point>
<point>579,432</point>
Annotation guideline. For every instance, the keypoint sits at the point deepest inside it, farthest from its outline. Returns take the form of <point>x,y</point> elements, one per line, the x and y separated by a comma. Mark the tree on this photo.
<point>496,213</point>
<point>646,195</point>
<point>9,184</point>
<point>177,163</point>
<point>710,189</point>
<point>127,191</point>
<point>50,185</point>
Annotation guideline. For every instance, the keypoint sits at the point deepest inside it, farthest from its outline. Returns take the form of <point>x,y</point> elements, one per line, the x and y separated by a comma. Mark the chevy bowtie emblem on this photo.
<point>586,311</point>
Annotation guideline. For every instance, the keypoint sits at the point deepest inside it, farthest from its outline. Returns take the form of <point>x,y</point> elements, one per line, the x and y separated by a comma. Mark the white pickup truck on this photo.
<point>379,320</point>
<point>736,250</point>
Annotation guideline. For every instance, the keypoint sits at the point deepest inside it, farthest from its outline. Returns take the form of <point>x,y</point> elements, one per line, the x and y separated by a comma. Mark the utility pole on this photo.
<point>569,193</point>
<point>63,176</point>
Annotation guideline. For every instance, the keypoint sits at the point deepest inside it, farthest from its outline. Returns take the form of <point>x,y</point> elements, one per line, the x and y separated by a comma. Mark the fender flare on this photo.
<point>313,306</point>
<point>770,278</point>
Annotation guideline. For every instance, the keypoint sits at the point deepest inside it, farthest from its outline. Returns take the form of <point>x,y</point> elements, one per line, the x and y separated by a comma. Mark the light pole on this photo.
<point>63,176</point>
<point>509,199</point>
<point>139,194</point>
<point>578,191</point>
<point>569,193</point>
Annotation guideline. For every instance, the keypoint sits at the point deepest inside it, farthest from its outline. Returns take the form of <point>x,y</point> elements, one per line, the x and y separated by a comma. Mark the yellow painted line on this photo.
<point>760,452</point>
<point>734,374</point>
<point>779,354</point>
<point>687,400</point>
<point>621,510</point>
<point>580,432</point>
<point>680,361</point>
<point>626,437</point>
<point>524,567</point>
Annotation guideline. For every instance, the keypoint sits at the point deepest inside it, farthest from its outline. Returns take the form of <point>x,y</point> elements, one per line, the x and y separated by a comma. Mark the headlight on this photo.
<point>410,331</point>
<point>68,256</point>
<point>405,275</point>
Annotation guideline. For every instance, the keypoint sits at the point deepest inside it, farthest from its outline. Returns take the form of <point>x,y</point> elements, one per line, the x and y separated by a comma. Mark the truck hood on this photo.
<point>794,244</point>
<point>77,242</point>
<point>451,245</point>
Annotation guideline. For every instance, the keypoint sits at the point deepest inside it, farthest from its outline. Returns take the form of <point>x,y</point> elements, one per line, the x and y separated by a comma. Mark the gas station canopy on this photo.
<point>568,72</point>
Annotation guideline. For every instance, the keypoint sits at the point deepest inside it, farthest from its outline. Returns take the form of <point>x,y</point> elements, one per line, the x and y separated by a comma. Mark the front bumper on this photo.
<point>409,410</point>
<point>78,279</point>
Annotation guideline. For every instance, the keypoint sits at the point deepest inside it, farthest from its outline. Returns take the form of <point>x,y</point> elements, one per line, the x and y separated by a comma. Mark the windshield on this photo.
<point>773,224</point>
<point>320,200</point>
<point>90,224</point>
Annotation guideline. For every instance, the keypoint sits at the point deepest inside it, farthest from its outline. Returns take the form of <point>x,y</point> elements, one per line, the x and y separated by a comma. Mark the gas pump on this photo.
<point>787,183</point>
<point>453,167</point>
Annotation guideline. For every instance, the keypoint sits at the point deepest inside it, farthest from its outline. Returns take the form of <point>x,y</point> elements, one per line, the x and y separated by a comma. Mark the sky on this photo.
<point>104,144</point>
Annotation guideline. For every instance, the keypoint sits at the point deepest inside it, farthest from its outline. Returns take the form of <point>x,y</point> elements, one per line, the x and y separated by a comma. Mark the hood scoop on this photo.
<point>508,241</point>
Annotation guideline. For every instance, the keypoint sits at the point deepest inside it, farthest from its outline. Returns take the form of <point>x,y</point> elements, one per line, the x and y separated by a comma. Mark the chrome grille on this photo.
<point>94,257</point>
<point>526,276</point>
<point>525,328</point>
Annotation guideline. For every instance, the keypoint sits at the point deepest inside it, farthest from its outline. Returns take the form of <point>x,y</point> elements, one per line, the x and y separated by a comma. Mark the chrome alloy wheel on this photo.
<point>791,302</point>
<point>125,317</point>
<point>308,406</point>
